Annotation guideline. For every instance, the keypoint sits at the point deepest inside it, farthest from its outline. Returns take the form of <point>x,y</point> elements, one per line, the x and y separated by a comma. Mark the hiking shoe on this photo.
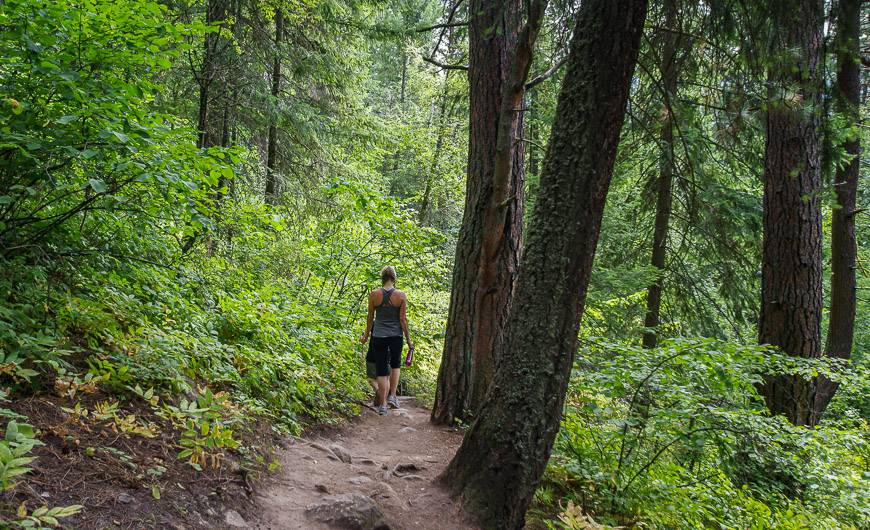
<point>393,401</point>
<point>382,410</point>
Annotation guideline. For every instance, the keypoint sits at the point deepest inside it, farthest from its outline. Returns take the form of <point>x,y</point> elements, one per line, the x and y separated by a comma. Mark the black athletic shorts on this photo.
<point>384,353</point>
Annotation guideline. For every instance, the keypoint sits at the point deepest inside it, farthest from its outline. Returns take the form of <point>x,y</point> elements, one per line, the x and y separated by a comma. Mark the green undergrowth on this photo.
<point>677,437</point>
<point>147,289</point>
<point>263,332</point>
<point>177,331</point>
<point>283,344</point>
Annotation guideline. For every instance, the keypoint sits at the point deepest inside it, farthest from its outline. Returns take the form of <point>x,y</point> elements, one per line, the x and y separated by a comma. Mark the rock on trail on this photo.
<point>353,511</point>
<point>234,520</point>
<point>341,453</point>
<point>374,474</point>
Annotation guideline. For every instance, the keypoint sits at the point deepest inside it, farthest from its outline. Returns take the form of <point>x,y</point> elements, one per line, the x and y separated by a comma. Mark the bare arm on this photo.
<point>403,319</point>
<point>370,320</point>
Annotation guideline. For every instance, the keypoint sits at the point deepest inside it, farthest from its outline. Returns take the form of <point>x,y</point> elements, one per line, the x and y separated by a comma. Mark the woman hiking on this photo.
<point>387,322</point>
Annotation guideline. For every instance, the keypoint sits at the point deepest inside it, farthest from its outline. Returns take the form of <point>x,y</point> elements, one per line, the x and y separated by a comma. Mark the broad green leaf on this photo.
<point>98,185</point>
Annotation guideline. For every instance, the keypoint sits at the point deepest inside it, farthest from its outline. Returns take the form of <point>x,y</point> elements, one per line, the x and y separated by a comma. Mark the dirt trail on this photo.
<point>393,461</point>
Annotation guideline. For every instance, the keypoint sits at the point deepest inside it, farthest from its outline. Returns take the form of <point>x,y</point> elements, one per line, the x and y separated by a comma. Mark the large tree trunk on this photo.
<point>503,455</point>
<point>847,98</point>
<point>791,281</point>
<point>501,222</point>
<point>478,305</point>
<point>670,73</point>
<point>272,147</point>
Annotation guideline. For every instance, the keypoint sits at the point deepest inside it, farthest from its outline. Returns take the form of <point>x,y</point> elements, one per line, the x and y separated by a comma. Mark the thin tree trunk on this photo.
<point>404,78</point>
<point>791,281</point>
<point>534,135</point>
<point>444,114</point>
<point>514,215</point>
<point>272,147</point>
<point>225,142</point>
<point>847,100</point>
<point>441,132</point>
<point>212,241</point>
<point>216,10</point>
<point>670,74</point>
<point>209,122</point>
<point>202,128</point>
<point>478,305</point>
<point>423,216</point>
<point>503,455</point>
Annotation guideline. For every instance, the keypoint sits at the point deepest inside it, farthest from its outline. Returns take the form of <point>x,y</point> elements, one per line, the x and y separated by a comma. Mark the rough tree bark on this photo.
<point>272,146</point>
<point>670,73</point>
<point>478,306</point>
<point>499,217</point>
<point>504,453</point>
<point>791,281</point>
<point>847,100</point>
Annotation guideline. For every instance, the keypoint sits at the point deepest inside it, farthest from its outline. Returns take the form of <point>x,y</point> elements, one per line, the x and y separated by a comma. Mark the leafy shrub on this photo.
<point>15,447</point>
<point>18,442</point>
<point>677,437</point>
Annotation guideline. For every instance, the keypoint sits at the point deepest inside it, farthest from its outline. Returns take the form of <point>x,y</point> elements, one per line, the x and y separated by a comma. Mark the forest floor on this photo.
<point>121,479</point>
<point>375,472</point>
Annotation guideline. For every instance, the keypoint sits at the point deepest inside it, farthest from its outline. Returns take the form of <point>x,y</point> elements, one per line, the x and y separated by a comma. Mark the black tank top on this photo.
<point>386,317</point>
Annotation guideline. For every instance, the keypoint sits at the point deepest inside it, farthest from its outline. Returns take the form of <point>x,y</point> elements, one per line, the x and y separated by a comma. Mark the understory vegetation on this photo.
<point>111,316</point>
<point>677,437</point>
<point>153,298</point>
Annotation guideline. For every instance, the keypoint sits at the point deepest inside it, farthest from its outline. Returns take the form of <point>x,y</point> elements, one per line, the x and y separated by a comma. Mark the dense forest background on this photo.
<point>197,196</point>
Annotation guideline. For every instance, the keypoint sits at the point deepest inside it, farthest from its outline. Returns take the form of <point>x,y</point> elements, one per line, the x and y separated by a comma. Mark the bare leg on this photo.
<point>374,384</point>
<point>394,380</point>
<point>383,385</point>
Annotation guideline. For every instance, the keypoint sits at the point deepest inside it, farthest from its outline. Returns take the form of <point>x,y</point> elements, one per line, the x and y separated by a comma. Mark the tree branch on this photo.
<point>546,75</point>
<point>442,26</point>
<point>445,66</point>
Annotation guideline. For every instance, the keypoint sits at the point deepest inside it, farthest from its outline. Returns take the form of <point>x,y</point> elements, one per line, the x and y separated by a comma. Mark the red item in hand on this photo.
<point>410,356</point>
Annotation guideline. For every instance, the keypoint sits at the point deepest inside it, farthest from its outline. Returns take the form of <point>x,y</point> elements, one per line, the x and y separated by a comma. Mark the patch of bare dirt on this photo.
<point>389,462</point>
<point>117,477</point>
